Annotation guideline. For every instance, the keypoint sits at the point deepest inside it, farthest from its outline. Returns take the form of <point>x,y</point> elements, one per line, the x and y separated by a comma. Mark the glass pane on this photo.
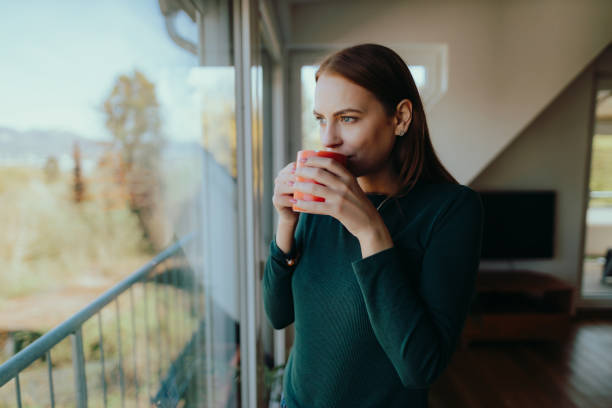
<point>214,81</point>
<point>122,146</point>
<point>258,185</point>
<point>266,361</point>
<point>597,262</point>
<point>310,127</point>
<point>419,74</point>
<point>264,63</point>
<point>84,144</point>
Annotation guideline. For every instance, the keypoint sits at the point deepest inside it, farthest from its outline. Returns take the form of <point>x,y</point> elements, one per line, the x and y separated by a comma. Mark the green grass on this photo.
<point>49,239</point>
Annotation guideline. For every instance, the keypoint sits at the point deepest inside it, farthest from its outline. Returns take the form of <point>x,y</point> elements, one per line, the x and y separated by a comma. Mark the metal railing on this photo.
<point>73,328</point>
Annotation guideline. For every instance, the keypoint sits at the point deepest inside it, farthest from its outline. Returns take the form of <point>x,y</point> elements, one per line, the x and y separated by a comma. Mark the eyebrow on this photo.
<point>347,110</point>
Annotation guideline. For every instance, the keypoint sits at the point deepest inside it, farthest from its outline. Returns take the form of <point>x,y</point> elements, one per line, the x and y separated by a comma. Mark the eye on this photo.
<point>348,119</point>
<point>321,120</point>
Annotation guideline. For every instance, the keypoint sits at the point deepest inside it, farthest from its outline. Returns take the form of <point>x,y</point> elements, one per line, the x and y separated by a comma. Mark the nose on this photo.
<point>330,137</point>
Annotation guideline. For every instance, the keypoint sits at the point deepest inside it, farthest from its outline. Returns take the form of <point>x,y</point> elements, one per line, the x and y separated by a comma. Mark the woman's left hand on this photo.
<point>344,200</point>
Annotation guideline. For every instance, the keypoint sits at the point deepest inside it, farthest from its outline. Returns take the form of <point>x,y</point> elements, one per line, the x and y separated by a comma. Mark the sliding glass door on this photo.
<point>597,262</point>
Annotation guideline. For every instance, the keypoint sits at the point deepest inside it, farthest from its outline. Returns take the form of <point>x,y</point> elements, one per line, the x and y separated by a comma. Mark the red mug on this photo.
<point>302,154</point>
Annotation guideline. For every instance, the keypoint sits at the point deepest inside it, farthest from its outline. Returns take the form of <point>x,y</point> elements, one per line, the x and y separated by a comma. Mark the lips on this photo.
<point>334,152</point>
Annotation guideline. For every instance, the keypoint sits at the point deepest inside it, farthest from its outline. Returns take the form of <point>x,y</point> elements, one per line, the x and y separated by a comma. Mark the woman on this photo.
<point>378,279</point>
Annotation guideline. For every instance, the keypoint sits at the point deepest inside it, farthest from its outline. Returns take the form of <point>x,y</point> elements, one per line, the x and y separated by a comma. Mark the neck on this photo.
<point>383,182</point>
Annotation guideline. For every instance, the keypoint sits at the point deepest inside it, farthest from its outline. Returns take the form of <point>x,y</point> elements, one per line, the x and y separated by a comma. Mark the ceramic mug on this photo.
<point>302,154</point>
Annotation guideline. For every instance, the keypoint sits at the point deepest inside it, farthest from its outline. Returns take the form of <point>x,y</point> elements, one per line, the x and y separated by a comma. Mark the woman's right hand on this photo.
<point>283,194</point>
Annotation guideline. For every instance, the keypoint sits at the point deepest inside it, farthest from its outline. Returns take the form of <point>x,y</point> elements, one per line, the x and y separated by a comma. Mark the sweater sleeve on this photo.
<point>418,327</point>
<point>276,285</point>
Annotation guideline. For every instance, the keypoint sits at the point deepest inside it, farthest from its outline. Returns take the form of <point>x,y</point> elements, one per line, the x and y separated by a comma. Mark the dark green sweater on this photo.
<point>376,331</point>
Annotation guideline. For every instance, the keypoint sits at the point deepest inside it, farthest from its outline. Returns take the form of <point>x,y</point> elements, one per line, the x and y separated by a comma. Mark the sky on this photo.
<point>59,61</point>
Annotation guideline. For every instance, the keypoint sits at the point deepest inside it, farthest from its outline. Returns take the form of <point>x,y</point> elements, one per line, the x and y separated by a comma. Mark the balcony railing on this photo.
<point>180,358</point>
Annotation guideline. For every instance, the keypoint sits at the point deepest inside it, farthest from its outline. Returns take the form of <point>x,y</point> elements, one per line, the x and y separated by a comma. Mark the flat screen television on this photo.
<point>518,224</point>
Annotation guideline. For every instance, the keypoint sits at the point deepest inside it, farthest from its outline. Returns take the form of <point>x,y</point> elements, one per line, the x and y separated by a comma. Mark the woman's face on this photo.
<point>353,122</point>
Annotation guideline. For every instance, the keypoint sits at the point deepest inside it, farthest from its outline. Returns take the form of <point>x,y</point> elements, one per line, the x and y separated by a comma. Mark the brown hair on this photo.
<point>381,71</point>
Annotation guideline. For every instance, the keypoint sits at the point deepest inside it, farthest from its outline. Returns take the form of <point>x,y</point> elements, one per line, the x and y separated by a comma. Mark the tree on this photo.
<point>78,185</point>
<point>51,169</point>
<point>133,118</point>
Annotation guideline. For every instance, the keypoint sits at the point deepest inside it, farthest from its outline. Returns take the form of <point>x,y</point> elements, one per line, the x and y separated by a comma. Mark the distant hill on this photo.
<point>33,147</point>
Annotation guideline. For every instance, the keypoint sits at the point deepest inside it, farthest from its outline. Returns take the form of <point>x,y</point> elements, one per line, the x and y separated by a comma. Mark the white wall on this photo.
<point>554,153</point>
<point>507,59</point>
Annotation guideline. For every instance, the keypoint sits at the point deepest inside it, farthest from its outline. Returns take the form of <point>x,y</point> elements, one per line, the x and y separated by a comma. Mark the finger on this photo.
<point>321,176</point>
<point>313,207</point>
<point>285,177</point>
<point>330,165</point>
<point>283,201</point>
<point>284,189</point>
<point>288,168</point>
<point>314,189</point>
<point>284,185</point>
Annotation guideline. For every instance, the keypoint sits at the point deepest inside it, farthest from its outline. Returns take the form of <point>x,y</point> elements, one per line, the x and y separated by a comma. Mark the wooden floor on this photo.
<point>575,373</point>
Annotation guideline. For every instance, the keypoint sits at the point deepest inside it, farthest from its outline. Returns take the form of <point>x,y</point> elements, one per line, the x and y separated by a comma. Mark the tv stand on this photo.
<point>519,305</point>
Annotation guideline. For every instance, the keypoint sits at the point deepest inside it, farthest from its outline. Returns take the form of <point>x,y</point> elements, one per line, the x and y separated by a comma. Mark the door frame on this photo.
<point>590,302</point>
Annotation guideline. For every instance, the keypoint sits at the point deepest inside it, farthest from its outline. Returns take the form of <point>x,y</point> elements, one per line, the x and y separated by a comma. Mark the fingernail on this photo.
<point>303,160</point>
<point>293,171</point>
<point>293,200</point>
<point>291,183</point>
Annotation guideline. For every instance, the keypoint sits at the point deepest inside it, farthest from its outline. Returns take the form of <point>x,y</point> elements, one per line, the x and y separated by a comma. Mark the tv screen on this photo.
<point>518,224</point>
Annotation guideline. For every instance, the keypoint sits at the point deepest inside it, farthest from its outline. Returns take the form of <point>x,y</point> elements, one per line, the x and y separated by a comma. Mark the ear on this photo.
<point>403,116</point>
